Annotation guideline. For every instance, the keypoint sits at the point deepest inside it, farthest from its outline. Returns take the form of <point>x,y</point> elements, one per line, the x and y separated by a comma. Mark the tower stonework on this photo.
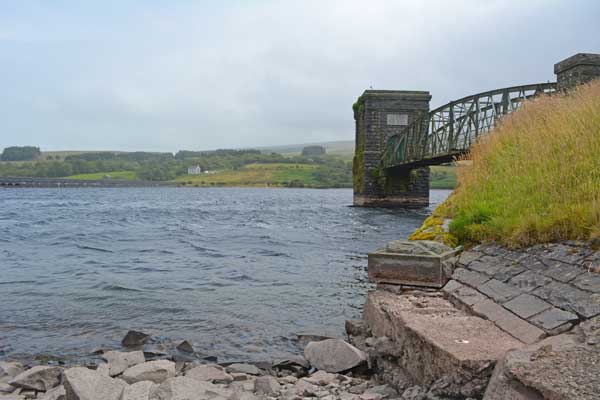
<point>379,114</point>
<point>577,69</point>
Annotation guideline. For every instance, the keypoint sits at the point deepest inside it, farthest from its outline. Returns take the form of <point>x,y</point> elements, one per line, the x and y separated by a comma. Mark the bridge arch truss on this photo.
<point>448,131</point>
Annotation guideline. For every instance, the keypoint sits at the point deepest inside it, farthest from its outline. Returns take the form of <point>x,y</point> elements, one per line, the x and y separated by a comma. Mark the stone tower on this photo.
<point>380,114</point>
<point>577,69</point>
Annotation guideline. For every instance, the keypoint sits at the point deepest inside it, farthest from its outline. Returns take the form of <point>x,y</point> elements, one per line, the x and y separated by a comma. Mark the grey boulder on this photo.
<point>209,373</point>
<point>86,384</point>
<point>267,385</point>
<point>155,371</point>
<point>135,338</point>
<point>186,388</point>
<point>40,378</point>
<point>138,391</point>
<point>119,361</point>
<point>58,393</point>
<point>10,369</point>
<point>334,355</point>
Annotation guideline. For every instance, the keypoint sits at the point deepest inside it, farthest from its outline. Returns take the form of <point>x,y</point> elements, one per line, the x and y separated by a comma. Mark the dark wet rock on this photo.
<point>86,384</point>
<point>119,361</point>
<point>185,346</point>
<point>155,371</point>
<point>357,327</point>
<point>135,338</point>
<point>306,337</point>
<point>267,385</point>
<point>209,373</point>
<point>40,378</point>
<point>293,361</point>
<point>333,355</point>
<point>243,369</point>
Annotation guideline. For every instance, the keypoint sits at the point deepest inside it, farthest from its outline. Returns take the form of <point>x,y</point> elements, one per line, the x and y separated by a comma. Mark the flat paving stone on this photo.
<point>553,318</point>
<point>499,291</point>
<point>562,252</point>
<point>471,278</point>
<point>468,296</point>
<point>509,271</point>
<point>508,322</point>
<point>488,265</point>
<point>528,281</point>
<point>588,281</point>
<point>570,298</point>
<point>466,257</point>
<point>526,305</point>
<point>451,286</point>
<point>561,271</point>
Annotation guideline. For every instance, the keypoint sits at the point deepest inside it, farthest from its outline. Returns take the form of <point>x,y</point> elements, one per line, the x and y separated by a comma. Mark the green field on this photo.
<point>443,177</point>
<point>256,175</point>
<point>128,175</point>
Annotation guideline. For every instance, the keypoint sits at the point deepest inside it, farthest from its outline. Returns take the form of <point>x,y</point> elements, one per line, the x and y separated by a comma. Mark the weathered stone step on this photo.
<point>432,339</point>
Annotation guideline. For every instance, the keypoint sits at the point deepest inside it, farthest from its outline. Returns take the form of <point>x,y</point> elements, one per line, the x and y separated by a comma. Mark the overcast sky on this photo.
<point>169,75</point>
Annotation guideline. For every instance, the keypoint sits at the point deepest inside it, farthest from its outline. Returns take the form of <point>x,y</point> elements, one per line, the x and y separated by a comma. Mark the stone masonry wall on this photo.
<point>577,69</point>
<point>372,133</point>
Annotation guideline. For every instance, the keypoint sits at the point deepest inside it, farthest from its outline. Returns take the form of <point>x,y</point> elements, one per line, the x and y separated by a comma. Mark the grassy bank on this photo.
<point>258,175</point>
<point>536,178</point>
<point>442,177</point>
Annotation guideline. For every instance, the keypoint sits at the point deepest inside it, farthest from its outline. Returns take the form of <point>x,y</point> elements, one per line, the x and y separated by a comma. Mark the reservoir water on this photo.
<point>237,272</point>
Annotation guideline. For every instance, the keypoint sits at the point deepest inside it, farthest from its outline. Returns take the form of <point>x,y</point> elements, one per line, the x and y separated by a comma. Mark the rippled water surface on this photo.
<point>237,272</point>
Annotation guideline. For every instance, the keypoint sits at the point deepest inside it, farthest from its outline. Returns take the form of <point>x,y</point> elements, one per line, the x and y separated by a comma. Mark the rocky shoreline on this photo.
<point>505,324</point>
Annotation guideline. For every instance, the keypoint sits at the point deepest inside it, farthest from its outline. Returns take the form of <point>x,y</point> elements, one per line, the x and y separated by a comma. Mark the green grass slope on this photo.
<point>536,178</point>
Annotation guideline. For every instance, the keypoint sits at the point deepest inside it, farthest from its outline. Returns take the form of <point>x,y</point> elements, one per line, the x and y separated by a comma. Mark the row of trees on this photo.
<point>20,153</point>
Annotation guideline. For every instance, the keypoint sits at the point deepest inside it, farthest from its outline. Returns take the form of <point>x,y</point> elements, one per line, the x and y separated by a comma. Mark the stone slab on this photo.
<point>499,291</point>
<point>553,318</point>
<point>431,328</point>
<point>509,270</point>
<point>468,296</point>
<point>526,305</point>
<point>468,277</point>
<point>528,281</point>
<point>466,257</point>
<point>570,298</point>
<point>508,322</point>
<point>561,271</point>
<point>588,281</point>
<point>488,265</point>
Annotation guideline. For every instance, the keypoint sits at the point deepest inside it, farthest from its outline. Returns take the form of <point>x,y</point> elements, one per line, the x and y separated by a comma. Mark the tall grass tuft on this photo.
<point>536,177</point>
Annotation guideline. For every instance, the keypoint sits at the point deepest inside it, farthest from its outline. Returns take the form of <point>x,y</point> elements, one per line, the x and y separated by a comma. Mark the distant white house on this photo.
<point>194,170</point>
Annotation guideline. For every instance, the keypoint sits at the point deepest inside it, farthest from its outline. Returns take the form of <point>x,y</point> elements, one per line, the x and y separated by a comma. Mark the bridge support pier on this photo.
<point>380,114</point>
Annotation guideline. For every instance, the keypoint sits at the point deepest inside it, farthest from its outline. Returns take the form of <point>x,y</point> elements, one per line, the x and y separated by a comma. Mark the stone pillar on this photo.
<point>578,69</point>
<point>380,114</point>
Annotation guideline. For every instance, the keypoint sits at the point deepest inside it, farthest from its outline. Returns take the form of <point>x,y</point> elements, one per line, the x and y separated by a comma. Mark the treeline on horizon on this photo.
<point>332,171</point>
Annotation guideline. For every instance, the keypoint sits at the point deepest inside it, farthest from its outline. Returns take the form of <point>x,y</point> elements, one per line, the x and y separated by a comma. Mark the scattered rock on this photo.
<point>40,378</point>
<point>321,378</point>
<point>135,338</point>
<point>138,391</point>
<point>238,377</point>
<point>357,327</point>
<point>86,384</point>
<point>290,379</point>
<point>415,393</point>
<point>155,371</point>
<point>6,388</point>
<point>209,373</point>
<point>119,361</point>
<point>243,369</point>
<point>384,391</point>
<point>103,369</point>
<point>333,355</point>
<point>293,361</point>
<point>185,346</point>
<point>186,388</point>
<point>305,389</point>
<point>57,393</point>
<point>267,385</point>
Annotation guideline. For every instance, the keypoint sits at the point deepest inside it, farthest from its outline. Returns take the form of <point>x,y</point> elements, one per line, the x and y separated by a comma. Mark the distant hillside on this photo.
<point>342,148</point>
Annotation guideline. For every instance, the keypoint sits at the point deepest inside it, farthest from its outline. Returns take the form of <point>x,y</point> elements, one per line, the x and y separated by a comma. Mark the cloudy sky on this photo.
<point>172,74</point>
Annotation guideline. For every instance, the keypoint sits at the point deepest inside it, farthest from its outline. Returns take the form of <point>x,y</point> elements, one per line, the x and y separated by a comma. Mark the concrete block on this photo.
<point>414,263</point>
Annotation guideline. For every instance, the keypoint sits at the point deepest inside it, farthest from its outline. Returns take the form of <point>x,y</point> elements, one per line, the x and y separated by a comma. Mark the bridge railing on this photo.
<point>450,130</point>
